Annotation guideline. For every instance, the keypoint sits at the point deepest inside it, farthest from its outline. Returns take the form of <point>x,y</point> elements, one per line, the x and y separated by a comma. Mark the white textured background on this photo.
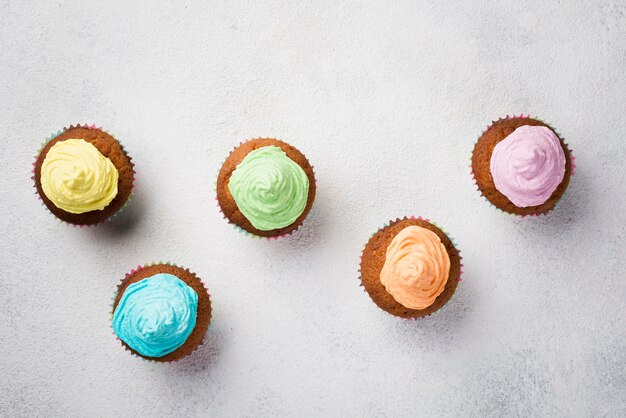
<point>386,101</point>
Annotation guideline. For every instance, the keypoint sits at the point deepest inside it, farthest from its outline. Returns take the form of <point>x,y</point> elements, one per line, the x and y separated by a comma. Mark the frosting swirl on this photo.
<point>77,178</point>
<point>156,315</point>
<point>269,188</point>
<point>528,165</point>
<point>416,267</point>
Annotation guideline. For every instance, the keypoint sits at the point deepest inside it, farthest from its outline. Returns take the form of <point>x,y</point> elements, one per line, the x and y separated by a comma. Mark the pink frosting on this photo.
<point>528,165</point>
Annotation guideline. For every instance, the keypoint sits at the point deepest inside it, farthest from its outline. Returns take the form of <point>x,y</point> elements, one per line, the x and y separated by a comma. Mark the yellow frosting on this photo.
<point>77,178</point>
<point>416,268</point>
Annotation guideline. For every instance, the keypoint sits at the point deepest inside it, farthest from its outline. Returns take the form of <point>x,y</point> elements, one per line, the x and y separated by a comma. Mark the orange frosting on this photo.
<point>416,268</point>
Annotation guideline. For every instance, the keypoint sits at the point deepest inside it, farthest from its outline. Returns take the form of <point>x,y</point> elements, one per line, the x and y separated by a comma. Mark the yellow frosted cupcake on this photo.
<point>83,175</point>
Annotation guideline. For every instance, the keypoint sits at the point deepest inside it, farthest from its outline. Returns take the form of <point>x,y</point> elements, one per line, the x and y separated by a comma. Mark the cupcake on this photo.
<point>161,312</point>
<point>83,175</point>
<point>521,166</point>
<point>410,268</point>
<point>266,187</point>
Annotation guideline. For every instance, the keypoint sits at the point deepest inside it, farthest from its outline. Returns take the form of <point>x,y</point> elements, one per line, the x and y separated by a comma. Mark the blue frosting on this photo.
<point>156,315</point>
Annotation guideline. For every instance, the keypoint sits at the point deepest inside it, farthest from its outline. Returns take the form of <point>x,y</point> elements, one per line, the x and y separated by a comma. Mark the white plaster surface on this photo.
<point>386,99</point>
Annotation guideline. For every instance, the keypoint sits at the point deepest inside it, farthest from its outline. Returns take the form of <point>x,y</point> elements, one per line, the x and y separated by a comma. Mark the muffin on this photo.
<point>83,175</point>
<point>161,312</point>
<point>266,187</point>
<point>410,268</point>
<point>521,166</point>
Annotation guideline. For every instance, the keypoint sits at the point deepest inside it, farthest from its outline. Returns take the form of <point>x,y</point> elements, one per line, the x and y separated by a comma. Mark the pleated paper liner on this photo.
<point>522,116</point>
<point>242,230</point>
<point>458,279</point>
<point>84,126</point>
<point>161,359</point>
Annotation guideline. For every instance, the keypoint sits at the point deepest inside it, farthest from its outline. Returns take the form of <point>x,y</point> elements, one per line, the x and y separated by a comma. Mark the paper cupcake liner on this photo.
<point>386,225</point>
<point>111,311</point>
<point>85,126</point>
<point>521,116</point>
<point>237,227</point>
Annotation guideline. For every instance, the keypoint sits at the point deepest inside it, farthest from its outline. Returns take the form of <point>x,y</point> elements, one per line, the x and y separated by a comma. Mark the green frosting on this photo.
<point>270,189</point>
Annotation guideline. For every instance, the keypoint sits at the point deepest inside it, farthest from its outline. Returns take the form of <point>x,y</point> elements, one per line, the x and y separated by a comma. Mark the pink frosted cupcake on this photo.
<point>521,166</point>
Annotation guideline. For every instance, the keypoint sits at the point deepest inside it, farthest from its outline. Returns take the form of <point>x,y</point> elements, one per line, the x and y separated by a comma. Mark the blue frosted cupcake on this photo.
<point>161,312</point>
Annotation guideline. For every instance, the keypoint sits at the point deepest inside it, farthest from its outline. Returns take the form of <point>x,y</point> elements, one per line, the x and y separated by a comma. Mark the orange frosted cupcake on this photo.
<point>410,268</point>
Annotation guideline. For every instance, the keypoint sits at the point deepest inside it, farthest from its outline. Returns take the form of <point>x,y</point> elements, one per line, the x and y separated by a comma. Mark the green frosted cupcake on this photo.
<point>266,187</point>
